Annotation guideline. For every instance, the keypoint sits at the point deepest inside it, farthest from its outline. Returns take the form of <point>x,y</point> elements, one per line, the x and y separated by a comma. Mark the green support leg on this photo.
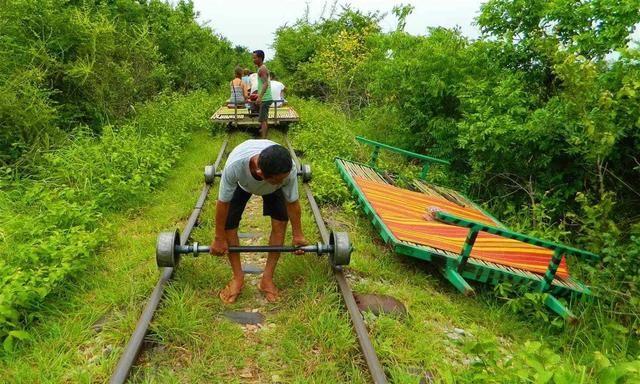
<point>556,306</point>
<point>425,170</point>
<point>374,156</point>
<point>466,249</point>
<point>549,275</point>
<point>458,281</point>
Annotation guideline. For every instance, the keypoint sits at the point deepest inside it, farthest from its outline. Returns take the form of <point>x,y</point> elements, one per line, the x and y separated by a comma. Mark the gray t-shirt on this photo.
<point>237,173</point>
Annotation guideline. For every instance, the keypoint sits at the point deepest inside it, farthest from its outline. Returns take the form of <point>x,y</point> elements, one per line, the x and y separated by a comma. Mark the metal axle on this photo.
<point>169,248</point>
<point>196,249</point>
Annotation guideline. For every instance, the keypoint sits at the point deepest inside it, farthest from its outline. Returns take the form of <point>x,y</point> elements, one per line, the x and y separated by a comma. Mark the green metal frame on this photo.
<point>458,268</point>
<point>474,227</point>
<point>426,160</point>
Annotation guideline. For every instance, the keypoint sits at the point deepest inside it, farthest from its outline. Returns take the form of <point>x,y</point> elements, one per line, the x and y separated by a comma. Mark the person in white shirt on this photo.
<point>277,90</point>
<point>253,78</point>
<point>245,78</point>
<point>265,168</point>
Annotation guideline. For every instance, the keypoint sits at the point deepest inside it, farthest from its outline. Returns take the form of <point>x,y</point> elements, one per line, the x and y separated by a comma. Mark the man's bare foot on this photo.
<point>269,290</point>
<point>230,293</point>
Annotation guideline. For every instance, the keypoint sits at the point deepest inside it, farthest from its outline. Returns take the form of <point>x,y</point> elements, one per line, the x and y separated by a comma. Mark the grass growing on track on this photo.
<point>113,291</point>
<point>307,337</point>
<point>445,336</point>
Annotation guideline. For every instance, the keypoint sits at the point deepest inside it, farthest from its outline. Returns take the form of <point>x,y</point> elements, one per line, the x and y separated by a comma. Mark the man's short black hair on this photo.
<point>274,160</point>
<point>259,53</point>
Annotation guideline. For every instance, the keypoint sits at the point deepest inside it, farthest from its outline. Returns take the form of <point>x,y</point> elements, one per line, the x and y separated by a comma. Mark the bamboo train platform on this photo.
<point>443,226</point>
<point>241,116</point>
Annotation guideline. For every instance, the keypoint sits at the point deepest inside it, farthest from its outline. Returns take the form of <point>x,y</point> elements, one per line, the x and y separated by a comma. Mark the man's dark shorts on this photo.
<point>264,111</point>
<point>273,205</point>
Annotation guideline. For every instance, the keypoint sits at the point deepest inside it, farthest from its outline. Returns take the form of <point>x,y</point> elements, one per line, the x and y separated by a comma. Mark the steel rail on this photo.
<point>375,368</point>
<point>134,346</point>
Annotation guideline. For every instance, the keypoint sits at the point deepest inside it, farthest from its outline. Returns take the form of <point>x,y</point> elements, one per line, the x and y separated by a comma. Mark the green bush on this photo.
<point>539,118</point>
<point>329,59</point>
<point>322,135</point>
<point>535,363</point>
<point>51,220</point>
<point>88,63</point>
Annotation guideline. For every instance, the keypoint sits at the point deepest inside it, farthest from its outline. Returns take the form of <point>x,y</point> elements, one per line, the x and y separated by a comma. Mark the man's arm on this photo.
<point>290,191</point>
<point>222,211</point>
<point>228,183</point>
<point>295,215</point>
<point>264,75</point>
<point>220,244</point>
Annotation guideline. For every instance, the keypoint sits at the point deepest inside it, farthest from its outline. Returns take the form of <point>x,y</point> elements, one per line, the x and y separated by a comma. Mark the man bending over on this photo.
<point>258,167</point>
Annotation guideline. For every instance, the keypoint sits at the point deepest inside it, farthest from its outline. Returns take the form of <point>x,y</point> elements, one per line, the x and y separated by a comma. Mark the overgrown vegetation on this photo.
<point>539,118</point>
<point>68,64</point>
<point>51,222</point>
<point>90,123</point>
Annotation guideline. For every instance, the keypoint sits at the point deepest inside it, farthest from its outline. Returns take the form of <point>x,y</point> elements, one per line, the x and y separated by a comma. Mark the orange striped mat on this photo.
<point>403,212</point>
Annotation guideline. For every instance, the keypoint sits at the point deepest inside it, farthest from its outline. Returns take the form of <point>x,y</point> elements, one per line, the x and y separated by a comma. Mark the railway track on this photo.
<point>136,341</point>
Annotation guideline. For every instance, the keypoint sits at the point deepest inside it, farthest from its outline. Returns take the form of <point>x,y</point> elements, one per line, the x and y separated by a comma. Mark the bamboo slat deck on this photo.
<point>387,205</point>
<point>405,213</point>
<point>241,116</point>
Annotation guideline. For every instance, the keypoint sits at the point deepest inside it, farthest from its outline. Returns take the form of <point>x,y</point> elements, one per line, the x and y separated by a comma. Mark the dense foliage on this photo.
<point>90,122</point>
<point>540,118</point>
<point>571,115</point>
<point>52,222</point>
<point>69,63</point>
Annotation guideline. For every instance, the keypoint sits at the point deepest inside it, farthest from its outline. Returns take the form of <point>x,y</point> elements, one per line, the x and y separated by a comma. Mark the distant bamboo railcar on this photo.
<point>243,117</point>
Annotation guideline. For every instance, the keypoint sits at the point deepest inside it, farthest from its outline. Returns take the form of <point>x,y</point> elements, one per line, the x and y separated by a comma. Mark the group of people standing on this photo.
<point>257,90</point>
